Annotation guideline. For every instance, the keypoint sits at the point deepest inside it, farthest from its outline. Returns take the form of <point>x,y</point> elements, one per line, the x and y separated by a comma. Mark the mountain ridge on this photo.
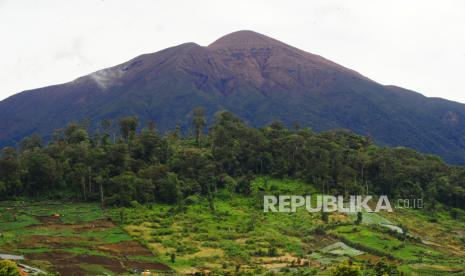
<point>257,77</point>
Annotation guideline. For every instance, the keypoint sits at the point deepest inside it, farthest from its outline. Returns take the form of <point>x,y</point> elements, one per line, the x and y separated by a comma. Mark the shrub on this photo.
<point>346,269</point>
<point>162,232</point>
<point>462,239</point>
<point>9,268</point>
<point>383,268</point>
<point>272,251</point>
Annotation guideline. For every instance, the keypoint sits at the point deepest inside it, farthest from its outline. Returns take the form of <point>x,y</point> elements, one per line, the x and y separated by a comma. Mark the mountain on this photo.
<point>258,78</point>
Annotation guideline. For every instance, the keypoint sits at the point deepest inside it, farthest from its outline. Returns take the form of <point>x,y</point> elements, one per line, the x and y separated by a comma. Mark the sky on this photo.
<point>415,44</point>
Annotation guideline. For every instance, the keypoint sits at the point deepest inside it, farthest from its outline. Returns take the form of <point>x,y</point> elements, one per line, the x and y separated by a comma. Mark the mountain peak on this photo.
<point>243,38</point>
<point>258,78</point>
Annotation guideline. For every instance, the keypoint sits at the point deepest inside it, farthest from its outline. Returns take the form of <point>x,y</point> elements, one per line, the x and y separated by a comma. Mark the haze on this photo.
<point>419,45</point>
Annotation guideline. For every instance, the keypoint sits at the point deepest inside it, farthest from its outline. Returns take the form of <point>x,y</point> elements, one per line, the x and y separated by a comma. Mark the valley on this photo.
<point>235,238</point>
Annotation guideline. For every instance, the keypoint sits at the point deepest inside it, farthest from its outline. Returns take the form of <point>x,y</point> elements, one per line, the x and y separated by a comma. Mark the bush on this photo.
<point>260,253</point>
<point>235,251</point>
<point>193,199</point>
<point>346,269</point>
<point>9,268</point>
<point>186,249</point>
<point>162,232</point>
<point>319,230</point>
<point>272,251</point>
<point>383,268</point>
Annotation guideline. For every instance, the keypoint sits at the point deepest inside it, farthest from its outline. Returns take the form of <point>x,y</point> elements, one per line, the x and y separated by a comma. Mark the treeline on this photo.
<point>122,161</point>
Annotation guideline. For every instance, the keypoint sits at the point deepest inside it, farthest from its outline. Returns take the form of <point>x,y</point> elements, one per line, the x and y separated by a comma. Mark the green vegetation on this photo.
<point>196,202</point>
<point>238,233</point>
<point>346,269</point>
<point>145,166</point>
<point>236,236</point>
<point>8,268</point>
<point>65,238</point>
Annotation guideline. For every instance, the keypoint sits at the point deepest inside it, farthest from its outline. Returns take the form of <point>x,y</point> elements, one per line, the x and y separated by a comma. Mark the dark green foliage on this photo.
<point>382,268</point>
<point>147,167</point>
<point>128,126</point>
<point>325,217</point>
<point>199,122</point>
<point>359,218</point>
<point>272,251</point>
<point>173,257</point>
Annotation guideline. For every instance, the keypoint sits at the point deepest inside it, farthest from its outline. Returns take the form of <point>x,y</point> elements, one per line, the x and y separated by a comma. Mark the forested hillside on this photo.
<point>123,162</point>
<point>256,77</point>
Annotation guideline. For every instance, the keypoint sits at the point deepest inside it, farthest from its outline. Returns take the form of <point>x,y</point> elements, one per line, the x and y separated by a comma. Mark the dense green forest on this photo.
<point>123,161</point>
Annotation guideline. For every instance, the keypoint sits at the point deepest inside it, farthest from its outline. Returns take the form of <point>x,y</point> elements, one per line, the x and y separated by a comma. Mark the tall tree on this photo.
<point>128,126</point>
<point>199,122</point>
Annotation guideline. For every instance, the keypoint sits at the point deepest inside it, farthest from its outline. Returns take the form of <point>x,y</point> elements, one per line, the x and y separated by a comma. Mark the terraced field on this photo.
<point>233,235</point>
<point>71,239</point>
<point>238,236</point>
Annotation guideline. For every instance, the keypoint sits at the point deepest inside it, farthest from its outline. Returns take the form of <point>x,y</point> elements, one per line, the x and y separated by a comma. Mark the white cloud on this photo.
<point>416,44</point>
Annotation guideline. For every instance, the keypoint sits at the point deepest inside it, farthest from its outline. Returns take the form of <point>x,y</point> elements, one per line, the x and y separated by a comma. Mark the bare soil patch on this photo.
<point>55,242</point>
<point>146,265</point>
<point>49,219</point>
<point>67,263</point>
<point>126,248</point>
<point>54,223</point>
<point>109,263</point>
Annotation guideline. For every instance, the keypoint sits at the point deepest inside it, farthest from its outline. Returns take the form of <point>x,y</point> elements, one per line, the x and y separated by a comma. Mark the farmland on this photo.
<point>70,238</point>
<point>235,237</point>
<point>238,236</point>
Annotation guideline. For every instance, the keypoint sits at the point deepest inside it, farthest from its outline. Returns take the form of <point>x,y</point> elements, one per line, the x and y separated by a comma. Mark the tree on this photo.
<point>128,187</point>
<point>166,185</point>
<point>10,172</point>
<point>121,216</point>
<point>324,216</point>
<point>168,188</point>
<point>2,186</point>
<point>149,144</point>
<point>78,177</point>
<point>346,269</point>
<point>359,218</point>
<point>75,133</point>
<point>384,269</point>
<point>225,136</point>
<point>149,166</point>
<point>199,123</point>
<point>40,172</point>
<point>272,251</point>
<point>116,159</point>
<point>128,126</point>
<point>106,126</point>
<point>31,142</point>
<point>100,181</point>
<point>173,257</point>
<point>9,268</point>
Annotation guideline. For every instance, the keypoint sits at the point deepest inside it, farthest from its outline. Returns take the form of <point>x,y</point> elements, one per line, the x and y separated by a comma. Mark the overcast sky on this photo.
<point>416,44</point>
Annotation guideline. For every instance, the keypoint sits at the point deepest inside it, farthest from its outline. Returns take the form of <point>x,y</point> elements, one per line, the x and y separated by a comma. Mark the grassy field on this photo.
<point>236,238</point>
